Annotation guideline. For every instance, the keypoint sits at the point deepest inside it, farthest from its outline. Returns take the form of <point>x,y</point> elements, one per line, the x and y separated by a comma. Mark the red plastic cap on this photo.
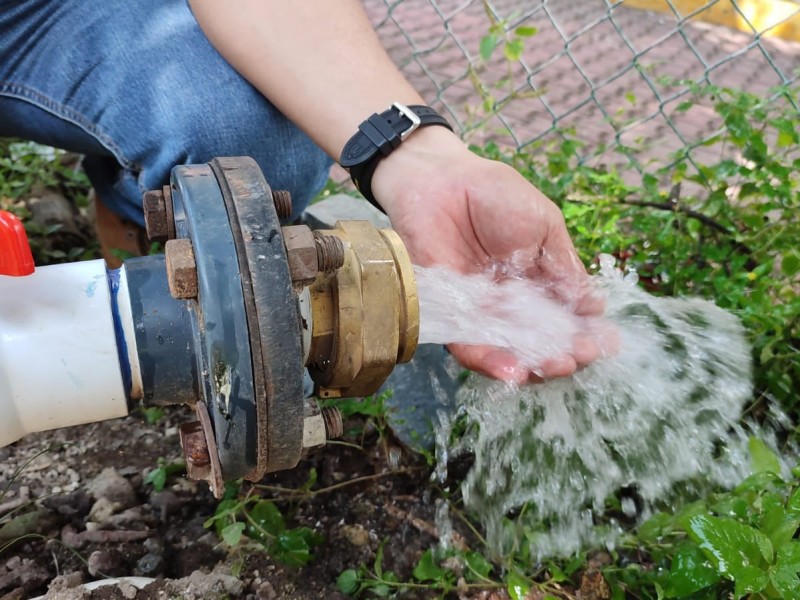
<point>15,252</point>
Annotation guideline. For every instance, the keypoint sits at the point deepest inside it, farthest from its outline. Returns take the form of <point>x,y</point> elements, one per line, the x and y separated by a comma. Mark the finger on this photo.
<point>590,303</point>
<point>490,361</point>
<point>586,349</point>
<point>560,366</point>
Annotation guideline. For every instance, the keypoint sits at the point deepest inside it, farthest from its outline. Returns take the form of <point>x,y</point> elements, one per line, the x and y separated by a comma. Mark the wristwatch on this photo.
<point>378,136</point>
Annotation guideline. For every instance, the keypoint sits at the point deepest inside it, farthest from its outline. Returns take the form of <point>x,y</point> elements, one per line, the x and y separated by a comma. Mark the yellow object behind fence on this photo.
<point>774,18</point>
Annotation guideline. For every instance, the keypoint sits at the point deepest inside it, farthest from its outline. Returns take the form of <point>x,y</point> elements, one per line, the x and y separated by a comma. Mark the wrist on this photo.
<point>379,136</point>
<point>413,160</point>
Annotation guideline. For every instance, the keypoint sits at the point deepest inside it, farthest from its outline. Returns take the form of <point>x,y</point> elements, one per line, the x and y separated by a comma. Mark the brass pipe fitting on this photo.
<point>365,316</point>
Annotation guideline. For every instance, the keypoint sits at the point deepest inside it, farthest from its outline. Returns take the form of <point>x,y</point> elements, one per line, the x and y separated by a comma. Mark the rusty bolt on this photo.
<point>195,447</point>
<point>155,216</point>
<point>283,203</point>
<point>330,252</point>
<point>301,253</point>
<point>181,269</point>
<point>334,428</point>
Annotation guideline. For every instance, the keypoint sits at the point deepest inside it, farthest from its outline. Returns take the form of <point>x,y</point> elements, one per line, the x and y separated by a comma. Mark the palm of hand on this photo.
<point>471,214</point>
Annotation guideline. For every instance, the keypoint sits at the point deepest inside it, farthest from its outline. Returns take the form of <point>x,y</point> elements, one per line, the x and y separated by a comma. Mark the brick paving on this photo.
<point>598,70</point>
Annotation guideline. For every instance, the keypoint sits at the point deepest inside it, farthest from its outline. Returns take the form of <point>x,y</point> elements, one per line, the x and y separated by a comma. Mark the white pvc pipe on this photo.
<point>59,364</point>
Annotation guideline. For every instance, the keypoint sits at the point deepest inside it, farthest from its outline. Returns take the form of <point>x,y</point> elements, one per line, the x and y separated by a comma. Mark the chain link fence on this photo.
<point>520,71</point>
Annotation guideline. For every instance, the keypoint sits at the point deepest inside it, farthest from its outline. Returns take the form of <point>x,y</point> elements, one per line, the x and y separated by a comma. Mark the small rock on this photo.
<point>355,534</point>
<point>453,564</point>
<point>265,591</point>
<point>185,485</point>
<point>74,504</point>
<point>599,560</point>
<point>127,589</point>
<point>102,563</point>
<point>113,486</point>
<point>131,518</point>
<point>150,564</point>
<point>166,502</point>
<point>594,586</point>
<point>154,545</point>
<point>102,510</point>
<point>205,585</point>
<point>65,582</point>
<point>17,594</point>
<point>32,575</point>
<point>69,536</point>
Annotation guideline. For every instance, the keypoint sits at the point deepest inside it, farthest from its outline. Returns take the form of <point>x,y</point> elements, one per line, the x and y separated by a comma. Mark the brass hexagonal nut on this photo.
<point>181,269</point>
<point>301,253</point>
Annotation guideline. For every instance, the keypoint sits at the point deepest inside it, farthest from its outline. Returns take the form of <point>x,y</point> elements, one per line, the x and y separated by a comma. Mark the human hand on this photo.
<point>455,209</point>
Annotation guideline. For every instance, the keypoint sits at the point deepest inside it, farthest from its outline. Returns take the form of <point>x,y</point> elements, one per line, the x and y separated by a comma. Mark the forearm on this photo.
<point>318,61</point>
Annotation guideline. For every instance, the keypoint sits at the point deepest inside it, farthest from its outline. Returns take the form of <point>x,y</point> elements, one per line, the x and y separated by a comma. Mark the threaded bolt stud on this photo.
<point>283,203</point>
<point>334,428</point>
<point>330,252</point>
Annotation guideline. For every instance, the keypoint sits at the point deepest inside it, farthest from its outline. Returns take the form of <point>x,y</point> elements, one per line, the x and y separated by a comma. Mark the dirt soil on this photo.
<point>80,509</point>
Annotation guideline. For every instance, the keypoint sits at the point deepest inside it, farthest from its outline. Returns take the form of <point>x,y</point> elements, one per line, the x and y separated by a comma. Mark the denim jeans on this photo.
<point>137,88</point>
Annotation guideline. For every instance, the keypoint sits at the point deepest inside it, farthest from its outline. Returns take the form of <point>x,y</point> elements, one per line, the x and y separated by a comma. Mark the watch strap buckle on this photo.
<point>411,116</point>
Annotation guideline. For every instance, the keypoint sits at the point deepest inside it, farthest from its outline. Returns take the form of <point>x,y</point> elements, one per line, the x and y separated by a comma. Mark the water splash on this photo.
<point>516,314</point>
<point>662,410</point>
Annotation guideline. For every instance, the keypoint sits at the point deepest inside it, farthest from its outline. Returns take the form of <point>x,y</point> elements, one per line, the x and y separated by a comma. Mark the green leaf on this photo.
<point>785,139</point>
<point>231,534</point>
<point>487,46</point>
<point>734,549</point>
<point>789,556</point>
<point>785,580</point>
<point>479,567</point>
<point>790,264</point>
<point>268,519</point>
<point>749,579</point>
<point>427,569</point>
<point>513,50</point>
<point>689,573</point>
<point>762,459</point>
<point>157,478</point>
<point>776,523</point>
<point>153,414</point>
<point>526,31</point>
<point>517,586</point>
<point>556,574</point>
<point>655,527</point>
<point>793,503</point>
<point>347,582</point>
<point>631,98</point>
<point>292,548</point>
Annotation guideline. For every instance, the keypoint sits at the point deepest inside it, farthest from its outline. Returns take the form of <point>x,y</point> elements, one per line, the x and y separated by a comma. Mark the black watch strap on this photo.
<point>378,136</point>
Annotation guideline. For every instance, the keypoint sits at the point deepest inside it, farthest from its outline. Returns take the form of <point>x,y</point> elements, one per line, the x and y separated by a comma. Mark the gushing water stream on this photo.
<point>663,409</point>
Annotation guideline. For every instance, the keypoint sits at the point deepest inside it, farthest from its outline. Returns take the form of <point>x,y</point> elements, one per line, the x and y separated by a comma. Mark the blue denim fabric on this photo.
<point>137,88</point>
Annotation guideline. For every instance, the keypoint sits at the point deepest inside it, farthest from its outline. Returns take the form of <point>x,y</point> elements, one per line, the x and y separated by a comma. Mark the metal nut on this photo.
<point>301,253</point>
<point>314,435</point>
<point>195,449</point>
<point>155,215</point>
<point>181,269</point>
